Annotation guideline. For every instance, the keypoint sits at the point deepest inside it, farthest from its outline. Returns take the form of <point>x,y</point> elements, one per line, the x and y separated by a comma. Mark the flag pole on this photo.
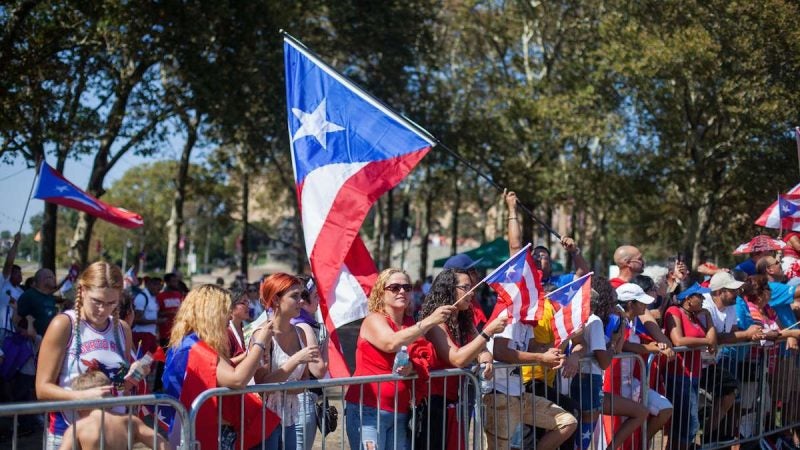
<point>434,141</point>
<point>30,195</point>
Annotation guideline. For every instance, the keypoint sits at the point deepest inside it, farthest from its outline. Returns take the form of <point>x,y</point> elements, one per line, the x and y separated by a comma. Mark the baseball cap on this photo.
<point>694,289</point>
<point>723,280</point>
<point>629,291</point>
<point>461,261</point>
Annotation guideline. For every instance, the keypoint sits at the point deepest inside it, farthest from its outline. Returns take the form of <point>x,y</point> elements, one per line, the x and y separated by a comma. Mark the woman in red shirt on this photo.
<point>384,331</point>
<point>687,325</point>
<point>458,344</point>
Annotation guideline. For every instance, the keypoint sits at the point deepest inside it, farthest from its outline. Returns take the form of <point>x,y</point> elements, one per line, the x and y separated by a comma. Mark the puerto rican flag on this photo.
<point>573,307</point>
<point>190,369</point>
<point>54,188</point>
<point>519,287</point>
<point>771,217</point>
<point>347,150</point>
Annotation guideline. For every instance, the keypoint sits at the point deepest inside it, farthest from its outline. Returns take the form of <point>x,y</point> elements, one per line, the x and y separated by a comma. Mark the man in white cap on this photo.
<point>634,301</point>
<point>718,377</point>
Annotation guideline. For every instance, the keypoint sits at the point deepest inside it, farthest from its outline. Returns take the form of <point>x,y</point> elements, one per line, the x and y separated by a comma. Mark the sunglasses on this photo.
<point>395,288</point>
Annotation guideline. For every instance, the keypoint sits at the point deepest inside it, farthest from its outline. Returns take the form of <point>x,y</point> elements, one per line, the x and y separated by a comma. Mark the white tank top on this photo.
<point>98,349</point>
<point>283,404</point>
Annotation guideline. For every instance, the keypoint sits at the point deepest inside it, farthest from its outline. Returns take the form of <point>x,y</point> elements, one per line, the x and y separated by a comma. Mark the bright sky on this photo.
<point>15,181</point>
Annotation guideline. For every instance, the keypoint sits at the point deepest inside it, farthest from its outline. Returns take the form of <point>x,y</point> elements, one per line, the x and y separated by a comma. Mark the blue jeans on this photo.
<point>306,420</point>
<point>374,436</point>
<point>683,391</point>
<point>282,438</point>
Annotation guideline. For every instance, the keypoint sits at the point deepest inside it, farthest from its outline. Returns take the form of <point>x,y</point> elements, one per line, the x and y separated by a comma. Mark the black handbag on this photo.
<point>331,415</point>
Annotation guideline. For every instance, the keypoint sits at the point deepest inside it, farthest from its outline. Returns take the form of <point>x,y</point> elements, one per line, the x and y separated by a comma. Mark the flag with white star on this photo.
<point>781,214</point>
<point>348,149</point>
<point>572,303</point>
<point>54,188</point>
<point>519,287</point>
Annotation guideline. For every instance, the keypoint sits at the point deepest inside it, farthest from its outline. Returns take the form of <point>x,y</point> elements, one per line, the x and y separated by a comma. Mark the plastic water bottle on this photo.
<point>400,359</point>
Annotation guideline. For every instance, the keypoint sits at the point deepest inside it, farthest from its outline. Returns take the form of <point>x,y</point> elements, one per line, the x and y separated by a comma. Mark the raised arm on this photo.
<point>514,231</point>
<point>11,256</point>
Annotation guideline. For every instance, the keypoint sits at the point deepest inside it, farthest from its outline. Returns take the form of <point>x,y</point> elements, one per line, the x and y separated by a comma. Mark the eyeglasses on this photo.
<point>395,288</point>
<point>464,287</point>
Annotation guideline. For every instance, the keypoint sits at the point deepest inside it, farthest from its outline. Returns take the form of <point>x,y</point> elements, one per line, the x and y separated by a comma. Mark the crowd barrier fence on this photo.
<point>131,403</point>
<point>743,394</point>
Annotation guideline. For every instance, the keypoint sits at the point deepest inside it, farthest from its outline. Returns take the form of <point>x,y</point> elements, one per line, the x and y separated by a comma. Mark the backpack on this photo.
<point>17,350</point>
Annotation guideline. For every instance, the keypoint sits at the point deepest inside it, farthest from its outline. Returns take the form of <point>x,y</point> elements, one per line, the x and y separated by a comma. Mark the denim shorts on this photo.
<point>587,390</point>
<point>683,391</point>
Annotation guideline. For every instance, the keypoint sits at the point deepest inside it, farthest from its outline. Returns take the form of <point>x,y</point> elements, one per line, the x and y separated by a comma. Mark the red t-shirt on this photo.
<point>446,387</point>
<point>168,304</point>
<point>372,361</point>
<point>688,363</point>
<point>616,282</point>
<point>789,250</point>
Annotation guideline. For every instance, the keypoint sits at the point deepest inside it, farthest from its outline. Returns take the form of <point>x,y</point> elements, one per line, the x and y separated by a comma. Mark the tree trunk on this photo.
<point>386,255</point>
<point>424,235</point>
<point>377,234</point>
<point>175,224</point>
<point>245,225</point>
<point>48,236</point>
<point>79,248</point>
<point>454,221</point>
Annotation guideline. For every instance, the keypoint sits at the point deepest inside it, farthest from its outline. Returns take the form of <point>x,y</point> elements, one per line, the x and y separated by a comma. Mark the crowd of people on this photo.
<point>572,396</point>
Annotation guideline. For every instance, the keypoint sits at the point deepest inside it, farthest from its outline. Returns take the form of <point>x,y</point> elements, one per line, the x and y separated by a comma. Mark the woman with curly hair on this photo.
<point>90,337</point>
<point>458,344</point>
<point>198,359</point>
<point>385,330</point>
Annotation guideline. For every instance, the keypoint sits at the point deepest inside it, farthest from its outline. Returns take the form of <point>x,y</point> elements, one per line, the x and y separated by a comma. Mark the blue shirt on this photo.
<point>559,280</point>
<point>747,266</point>
<point>781,302</point>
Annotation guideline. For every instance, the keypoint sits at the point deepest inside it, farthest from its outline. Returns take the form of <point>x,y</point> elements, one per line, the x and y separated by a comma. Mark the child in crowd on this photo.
<point>115,426</point>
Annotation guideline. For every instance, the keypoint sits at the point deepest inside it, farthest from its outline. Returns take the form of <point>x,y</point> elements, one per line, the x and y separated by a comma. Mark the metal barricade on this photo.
<point>131,403</point>
<point>525,403</point>
<point>425,423</point>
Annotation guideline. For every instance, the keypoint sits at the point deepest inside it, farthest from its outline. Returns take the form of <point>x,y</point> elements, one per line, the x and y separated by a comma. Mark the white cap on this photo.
<point>723,280</point>
<point>631,291</point>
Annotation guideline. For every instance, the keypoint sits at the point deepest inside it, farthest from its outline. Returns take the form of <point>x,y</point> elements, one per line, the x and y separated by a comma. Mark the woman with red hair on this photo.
<point>289,353</point>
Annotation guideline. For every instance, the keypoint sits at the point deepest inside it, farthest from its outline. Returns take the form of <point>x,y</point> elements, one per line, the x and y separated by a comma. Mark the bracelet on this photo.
<point>512,218</point>
<point>485,336</point>
<point>259,344</point>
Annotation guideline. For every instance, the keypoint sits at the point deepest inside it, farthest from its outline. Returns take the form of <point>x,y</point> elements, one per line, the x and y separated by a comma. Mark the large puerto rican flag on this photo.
<point>347,150</point>
<point>771,217</point>
<point>519,287</point>
<point>573,307</point>
<point>54,188</point>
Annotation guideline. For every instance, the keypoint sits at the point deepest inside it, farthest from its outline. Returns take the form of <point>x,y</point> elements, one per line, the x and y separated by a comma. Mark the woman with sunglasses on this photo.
<point>458,344</point>
<point>385,330</point>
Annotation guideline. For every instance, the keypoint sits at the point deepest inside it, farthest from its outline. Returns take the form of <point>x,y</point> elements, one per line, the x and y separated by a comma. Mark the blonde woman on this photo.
<point>384,331</point>
<point>198,359</point>
<point>90,337</point>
